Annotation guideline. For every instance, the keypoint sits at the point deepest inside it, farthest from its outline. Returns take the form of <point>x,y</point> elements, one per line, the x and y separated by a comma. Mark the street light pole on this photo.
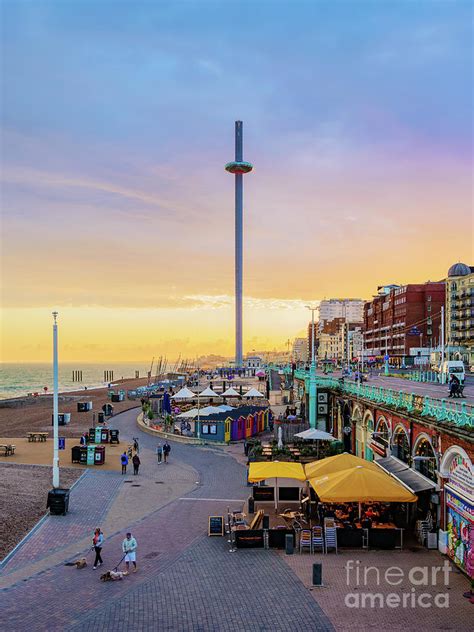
<point>312,375</point>
<point>55,404</point>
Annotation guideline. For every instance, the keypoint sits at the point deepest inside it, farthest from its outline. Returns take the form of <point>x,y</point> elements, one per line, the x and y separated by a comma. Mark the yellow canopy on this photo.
<point>335,464</point>
<point>360,484</point>
<point>275,469</point>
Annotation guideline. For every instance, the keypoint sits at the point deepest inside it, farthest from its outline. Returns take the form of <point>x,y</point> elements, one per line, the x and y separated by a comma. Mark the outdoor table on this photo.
<point>8,449</point>
<point>40,436</point>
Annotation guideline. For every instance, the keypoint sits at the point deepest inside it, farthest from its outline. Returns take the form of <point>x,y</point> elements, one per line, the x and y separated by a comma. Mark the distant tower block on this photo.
<point>239,167</point>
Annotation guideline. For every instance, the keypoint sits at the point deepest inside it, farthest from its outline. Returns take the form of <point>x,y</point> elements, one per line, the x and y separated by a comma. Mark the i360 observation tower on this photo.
<point>238,167</point>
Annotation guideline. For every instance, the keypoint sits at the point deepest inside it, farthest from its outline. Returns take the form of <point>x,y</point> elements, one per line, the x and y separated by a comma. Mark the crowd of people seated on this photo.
<point>347,514</point>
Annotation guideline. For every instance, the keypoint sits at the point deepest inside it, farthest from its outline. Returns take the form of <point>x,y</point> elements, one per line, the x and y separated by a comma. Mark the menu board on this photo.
<point>263,493</point>
<point>216,525</point>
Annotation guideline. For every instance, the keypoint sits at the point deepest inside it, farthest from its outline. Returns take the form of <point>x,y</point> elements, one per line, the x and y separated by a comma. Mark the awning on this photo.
<point>410,478</point>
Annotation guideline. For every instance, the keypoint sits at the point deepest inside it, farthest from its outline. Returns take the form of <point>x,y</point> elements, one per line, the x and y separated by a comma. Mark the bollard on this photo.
<point>266,522</point>
<point>251,505</point>
<point>317,574</point>
<point>289,544</point>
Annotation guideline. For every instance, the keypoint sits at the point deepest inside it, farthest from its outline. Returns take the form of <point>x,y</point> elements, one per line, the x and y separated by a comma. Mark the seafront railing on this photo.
<point>460,414</point>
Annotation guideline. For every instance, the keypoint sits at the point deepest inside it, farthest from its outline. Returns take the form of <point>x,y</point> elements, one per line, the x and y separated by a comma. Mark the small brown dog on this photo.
<point>113,576</point>
<point>80,563</point>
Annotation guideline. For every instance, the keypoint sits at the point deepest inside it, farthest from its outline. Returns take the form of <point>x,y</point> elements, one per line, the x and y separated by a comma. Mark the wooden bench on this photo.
<point>7,449</point>
<point>37,436</point>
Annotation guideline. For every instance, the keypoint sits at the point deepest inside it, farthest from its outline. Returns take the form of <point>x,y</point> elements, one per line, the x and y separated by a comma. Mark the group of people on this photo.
<point>162,452</point>
<point>348,514</point>
<point>455,386</point>
<point>129,550</point>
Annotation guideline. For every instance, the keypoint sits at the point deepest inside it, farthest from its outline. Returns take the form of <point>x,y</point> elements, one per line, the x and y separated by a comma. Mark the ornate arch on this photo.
<point>448,457</point>
<point>368,417</point>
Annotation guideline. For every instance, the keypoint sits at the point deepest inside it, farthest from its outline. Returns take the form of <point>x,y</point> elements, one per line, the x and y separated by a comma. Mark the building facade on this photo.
<point>402,317</point>
<point>460,313</point>
<point>300,350</point>
<point>350,309</point>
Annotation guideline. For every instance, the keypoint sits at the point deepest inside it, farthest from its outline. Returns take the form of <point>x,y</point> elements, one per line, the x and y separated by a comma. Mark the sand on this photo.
<point>41,453</point>
<point>28,414</point>
<point>23,495</point>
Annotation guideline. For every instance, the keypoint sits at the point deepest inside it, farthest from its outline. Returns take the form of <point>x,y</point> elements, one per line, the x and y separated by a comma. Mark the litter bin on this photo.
<point>100,418</point>
<point>58,501</point>
<point>91,437</point>
<point>83,455</point>
<point>99,455</point>
<point>104,435</point>
<point>114,436</point>
<point>90,454</point>
<point>98,435</point>
<point>76,454</point>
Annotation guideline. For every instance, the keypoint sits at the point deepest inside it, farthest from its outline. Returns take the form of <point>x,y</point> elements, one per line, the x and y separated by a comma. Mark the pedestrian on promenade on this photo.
<point>166,451</point>
<point>97,542</point>
<point>159,452</point>
<point>129,548</point>
<point>136,463</point>
<point>124,462</point>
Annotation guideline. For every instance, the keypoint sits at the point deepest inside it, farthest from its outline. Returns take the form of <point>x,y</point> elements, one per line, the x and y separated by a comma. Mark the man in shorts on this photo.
<point>129,548</point>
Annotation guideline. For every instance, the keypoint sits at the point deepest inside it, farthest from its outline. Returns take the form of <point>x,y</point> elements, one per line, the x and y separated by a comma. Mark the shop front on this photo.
<point>458,537</point>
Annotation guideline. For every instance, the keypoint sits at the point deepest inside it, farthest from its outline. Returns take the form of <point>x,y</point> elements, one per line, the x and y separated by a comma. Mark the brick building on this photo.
<point>400,318</point>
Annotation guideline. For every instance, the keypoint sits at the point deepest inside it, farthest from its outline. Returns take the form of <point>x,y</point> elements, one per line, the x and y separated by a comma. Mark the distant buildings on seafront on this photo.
<point>403,322</point>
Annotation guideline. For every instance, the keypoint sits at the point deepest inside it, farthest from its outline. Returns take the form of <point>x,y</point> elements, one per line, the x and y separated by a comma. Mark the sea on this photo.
<point>17,380</point>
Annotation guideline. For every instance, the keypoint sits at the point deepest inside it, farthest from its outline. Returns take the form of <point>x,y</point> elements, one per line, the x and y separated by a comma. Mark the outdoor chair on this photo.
<point>305,540</point>
<point>331,538</point>
<point>317,539</point>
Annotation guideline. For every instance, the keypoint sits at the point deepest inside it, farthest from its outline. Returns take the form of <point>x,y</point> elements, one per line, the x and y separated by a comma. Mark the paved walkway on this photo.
<point>186,581</point>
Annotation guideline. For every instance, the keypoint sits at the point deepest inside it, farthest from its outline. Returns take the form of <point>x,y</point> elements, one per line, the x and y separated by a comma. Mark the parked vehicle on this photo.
<point>453,367</point>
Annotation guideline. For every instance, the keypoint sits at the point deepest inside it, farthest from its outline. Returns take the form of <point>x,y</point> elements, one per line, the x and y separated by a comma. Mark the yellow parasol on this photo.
<point>332,464</point>
<point>260,471</point>
<point>360,484</point>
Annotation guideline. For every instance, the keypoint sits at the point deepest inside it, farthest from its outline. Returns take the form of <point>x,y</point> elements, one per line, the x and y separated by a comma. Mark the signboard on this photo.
<point>386,357</point>
<point>263,493</point>
<point>461,477</point>
<point>61,443</point>
<point>216,525</point>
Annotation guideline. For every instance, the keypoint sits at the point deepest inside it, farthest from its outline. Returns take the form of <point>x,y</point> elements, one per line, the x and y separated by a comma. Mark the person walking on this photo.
<point>166,451</point>
<point>97,542</point>
<point>129,548</point>
<point>124,462</point>
<point>136,463</point>
<point>159,453</point>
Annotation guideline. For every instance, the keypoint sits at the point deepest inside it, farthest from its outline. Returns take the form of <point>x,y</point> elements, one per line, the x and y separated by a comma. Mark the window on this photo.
<point>205,429</point>
<point>429,309</point>
<point>428,298</point>
<point>213,429</point>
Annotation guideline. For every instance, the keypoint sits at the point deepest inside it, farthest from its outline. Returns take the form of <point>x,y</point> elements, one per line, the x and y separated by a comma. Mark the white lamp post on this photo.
<point>312,376</point>
<point>55,404</point>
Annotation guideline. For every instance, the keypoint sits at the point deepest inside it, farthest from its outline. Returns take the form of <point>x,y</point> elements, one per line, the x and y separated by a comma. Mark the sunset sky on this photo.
<point>118,117</point>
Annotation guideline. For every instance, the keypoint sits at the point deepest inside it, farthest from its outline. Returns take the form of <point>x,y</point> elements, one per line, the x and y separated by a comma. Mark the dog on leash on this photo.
<point>113,576</point>
<point>81,563</point>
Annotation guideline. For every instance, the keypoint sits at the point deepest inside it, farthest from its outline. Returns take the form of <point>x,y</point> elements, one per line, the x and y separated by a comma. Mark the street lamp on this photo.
<point>55,404</point>
<point>312,376</point>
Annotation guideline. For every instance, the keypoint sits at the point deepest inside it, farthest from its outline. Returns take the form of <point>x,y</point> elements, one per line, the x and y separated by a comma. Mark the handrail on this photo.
<point>458,413</point>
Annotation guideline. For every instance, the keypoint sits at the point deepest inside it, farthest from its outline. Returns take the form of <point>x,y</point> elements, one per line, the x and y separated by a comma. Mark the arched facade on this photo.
<point>401,444</point>
<point>424,457</point>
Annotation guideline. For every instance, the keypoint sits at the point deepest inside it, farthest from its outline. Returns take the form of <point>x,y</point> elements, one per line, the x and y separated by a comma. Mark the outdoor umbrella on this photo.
<point>230,392</point>
<point>253,393</point>
<point>275,469</point>
<point>315,435</point>
<point>208,392</point>
<point>360,484</point>
<point>335,464</point>
<point>184,393</point>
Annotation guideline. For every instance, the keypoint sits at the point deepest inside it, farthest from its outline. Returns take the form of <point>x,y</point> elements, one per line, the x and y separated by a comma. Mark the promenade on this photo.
<point>186,581</point>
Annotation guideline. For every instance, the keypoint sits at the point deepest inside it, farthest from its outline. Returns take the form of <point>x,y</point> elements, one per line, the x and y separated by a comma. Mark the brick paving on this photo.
<point>340,580</point>
<point>186,581</point>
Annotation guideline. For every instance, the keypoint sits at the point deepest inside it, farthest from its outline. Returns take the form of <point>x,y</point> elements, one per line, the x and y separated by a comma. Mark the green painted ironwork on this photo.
<point>458,413</point>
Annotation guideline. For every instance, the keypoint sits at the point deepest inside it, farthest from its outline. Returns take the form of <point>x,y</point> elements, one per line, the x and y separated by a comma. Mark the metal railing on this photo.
<point>458,413</point>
